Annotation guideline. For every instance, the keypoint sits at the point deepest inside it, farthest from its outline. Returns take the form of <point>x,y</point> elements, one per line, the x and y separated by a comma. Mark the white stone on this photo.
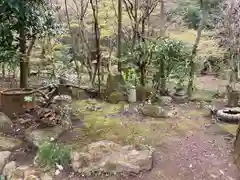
<point>46,177</point>
<point>4,155</point>
<point>57,172</point>
<point>9,168</point>
<point>60,167</point>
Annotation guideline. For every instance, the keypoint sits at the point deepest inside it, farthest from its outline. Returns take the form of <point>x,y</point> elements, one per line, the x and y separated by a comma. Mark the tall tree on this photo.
<point>95,6</point>
<point>194,48</point>
<point>229,35</point>
<point>22,21</point>
<point>119,36</point>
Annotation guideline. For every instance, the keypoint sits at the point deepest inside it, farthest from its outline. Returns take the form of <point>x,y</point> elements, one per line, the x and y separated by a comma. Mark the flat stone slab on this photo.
<point>109,157</point>
<point>9,143</point>
<point>38,136</point>
<point>4,155</point>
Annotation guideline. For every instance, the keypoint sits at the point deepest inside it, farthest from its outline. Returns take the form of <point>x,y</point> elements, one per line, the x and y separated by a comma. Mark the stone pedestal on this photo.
<point>237,148</point>
<point>65,108</point>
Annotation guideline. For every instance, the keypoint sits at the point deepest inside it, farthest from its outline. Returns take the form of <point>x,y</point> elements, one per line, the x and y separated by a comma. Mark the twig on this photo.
<point>44,87</point>
<point>42,93</point>
<point>72,85</point>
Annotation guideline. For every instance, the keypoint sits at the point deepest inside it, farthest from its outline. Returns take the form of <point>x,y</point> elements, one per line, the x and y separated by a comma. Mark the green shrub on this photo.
<point>51,154</point>
<point>190,11</point>
<point>192,17</point>
<point>171,61</point>
<point>139,58</point>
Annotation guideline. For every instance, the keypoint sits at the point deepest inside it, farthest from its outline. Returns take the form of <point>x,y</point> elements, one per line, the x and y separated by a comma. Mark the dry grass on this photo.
<point>230,128</point>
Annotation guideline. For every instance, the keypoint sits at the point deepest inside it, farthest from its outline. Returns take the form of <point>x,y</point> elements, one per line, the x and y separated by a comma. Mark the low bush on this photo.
<point>51,154</point>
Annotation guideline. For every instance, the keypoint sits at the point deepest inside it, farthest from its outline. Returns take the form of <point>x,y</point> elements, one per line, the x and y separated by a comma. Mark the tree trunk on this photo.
<point>232,96</point>
<point>143,30</point>
<point>142,75</point>
<point>162,78</point>
<point>29,51</point>
<point>23,60</point>
<point>119,37</point>
<point>97,41</point>
<point>191,77</point>
<point>73,43</point>
<point>237,148</point>
<point>3,70</point>
<point>162,19</point>
<point>194,51</point>
<point>136,25</point>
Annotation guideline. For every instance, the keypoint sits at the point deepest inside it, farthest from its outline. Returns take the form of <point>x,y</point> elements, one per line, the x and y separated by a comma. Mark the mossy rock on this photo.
<point>5,123</point>
<point>144,92</point>
<point>37,136</point>
<point>116,97</point>
<point>115,83</point>
<point>153,111</point>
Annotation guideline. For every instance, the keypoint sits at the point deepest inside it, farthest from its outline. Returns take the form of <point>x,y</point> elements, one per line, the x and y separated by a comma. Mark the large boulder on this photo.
<point>115,83</point>
<point>9,169</point>
<point>116,97</point>
<point>12,172</point>
<point>109,157</point>
<point>5,123</point>
<point>4,156</point>
<point>38,136</point>
<point>153,111</point>
<point>9,143</point>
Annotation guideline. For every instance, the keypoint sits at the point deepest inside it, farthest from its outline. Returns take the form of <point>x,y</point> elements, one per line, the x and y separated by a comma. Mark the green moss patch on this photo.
<point>99,125</point>
<point>230,128</point>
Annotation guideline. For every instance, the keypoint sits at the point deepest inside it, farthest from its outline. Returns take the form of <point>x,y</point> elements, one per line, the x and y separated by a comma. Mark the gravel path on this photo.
<point>195,157</point>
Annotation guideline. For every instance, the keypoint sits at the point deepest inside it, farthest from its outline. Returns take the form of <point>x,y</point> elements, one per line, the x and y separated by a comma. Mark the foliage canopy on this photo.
<point>33,17</point>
